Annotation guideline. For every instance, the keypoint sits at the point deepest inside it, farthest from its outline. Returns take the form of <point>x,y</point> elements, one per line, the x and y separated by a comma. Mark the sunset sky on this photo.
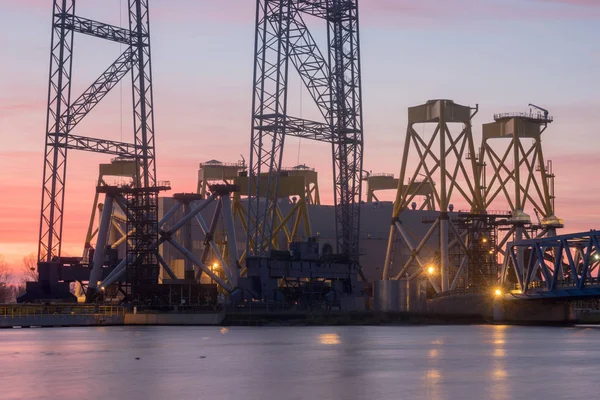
<point>502,54</point>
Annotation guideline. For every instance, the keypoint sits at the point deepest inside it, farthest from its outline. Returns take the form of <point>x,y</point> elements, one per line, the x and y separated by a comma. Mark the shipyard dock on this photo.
<point>472,234</point>
<point>549,312</point>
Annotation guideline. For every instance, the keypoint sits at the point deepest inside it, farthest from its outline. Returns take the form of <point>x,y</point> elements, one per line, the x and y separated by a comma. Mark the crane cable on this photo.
<point>121,81</point>
<point>300,139</point>
<point>121,90</point>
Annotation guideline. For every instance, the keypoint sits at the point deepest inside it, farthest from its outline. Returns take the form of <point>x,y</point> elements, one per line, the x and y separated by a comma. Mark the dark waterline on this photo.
<point>421,362</point>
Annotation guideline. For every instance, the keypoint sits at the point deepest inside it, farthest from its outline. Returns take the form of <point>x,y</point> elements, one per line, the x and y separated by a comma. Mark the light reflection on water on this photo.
<point>426,362</point>
<point>329,338</point>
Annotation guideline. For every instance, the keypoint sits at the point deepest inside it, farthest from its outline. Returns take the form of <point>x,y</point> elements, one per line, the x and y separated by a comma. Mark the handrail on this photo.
<point>215,163</point>
<point>537,116</point>
<point>298,168</point>
<point>33,311</point>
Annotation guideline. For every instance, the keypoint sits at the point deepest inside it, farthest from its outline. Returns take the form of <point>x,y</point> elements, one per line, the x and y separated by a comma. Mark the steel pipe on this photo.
<point>231,239</point>
<point>193,213</point>
<point>199,264</point>
<point>100,254</point>
<point>215,248</point>
<point>166,266</point>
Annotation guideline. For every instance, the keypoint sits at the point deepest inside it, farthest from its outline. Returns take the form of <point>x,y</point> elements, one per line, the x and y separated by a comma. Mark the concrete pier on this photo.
<point>27,316</point>
<point>534,311</point>
<point>48,321</point>
<point>174,319</point>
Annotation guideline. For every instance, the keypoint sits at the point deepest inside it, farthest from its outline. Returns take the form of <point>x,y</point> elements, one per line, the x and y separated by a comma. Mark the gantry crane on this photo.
<point>64,113</point>
<point>334,82</point>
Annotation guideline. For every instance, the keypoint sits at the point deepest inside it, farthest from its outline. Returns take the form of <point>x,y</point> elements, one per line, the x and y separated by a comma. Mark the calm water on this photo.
<point>446,362</point>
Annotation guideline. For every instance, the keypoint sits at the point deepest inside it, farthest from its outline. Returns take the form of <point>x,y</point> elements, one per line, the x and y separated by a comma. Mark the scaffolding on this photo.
<point>142,233</point>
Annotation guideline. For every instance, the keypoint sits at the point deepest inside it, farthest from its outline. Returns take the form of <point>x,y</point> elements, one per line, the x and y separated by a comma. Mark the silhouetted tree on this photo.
<point>6,290</point>
<point>29,268</point>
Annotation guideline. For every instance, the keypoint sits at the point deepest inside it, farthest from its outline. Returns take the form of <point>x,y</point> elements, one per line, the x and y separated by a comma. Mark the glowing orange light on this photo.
<point>330,339</point>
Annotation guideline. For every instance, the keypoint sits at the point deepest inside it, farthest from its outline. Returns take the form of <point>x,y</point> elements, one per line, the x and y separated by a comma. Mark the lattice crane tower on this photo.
<point>66,112</point>
<point>334,83</point>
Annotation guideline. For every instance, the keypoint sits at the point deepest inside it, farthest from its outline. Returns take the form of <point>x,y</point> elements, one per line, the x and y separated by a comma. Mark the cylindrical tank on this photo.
<point>400,295</point>
<point>417,298</point>
<point>404,297</point>
<point>386,296</point>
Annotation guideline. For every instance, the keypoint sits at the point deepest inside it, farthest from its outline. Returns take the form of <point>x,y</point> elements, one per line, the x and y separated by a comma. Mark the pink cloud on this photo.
<point>16,106</point>
<point>375,12</point>
<point>234,11</point>
<point>435,13</point>
<point>583,3</point>
<point>36,4</point>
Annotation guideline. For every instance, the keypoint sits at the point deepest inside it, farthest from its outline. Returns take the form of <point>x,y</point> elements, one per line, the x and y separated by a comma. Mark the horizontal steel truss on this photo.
<point>103,146</point>
<point>98,29</point>
<point>302,128</point>
<point>229,262</point>
<point>324,8</point>
<point>63,114</point>
<point>554,264</point>
<point>507,169</point>
<point>334,85</point>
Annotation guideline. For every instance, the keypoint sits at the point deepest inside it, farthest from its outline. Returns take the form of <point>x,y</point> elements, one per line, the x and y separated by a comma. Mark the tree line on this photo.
<point>13,285</point>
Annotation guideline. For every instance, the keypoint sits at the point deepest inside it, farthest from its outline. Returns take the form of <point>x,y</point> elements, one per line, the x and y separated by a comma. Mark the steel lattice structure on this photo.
<point>556,266</point>
<point>334,83</point>
<point>169,226</point>
<point>448,163</point>
<point>64,113</point>
<point>518,173</point>
<point>142,232</point>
